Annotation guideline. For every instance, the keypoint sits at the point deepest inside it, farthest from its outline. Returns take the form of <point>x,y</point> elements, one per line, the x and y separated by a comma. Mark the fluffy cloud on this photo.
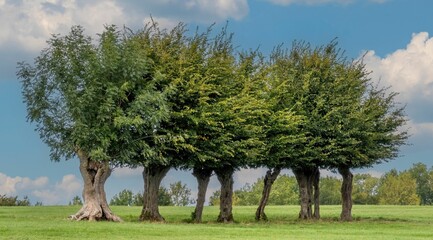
<point>40,189</point>
<point>14,185</point>
<point>29,23</point>
<point>409,71</point>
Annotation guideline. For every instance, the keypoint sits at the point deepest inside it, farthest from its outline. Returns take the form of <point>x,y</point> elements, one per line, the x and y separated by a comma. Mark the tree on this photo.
<point>365,189</point>
<point>14,201</point>
<point>8,200</point>
<point>329,191</point>
<point>164,198</point>
<point>284,192</point>
<point>80,96</point>
<point>123,198</point>
<point>308,90</point>
<point>398,189</point>
<point>375,133</point>
<point>424,182</point>
<point>180,194</point>
<point>214,200</point>
<point>76,201</point>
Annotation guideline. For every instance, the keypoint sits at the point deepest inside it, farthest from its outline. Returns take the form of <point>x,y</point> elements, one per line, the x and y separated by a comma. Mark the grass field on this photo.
<point>371,222</point>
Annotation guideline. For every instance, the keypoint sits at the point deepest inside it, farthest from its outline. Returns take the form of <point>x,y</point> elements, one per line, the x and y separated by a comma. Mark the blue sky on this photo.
<point>393,35</point>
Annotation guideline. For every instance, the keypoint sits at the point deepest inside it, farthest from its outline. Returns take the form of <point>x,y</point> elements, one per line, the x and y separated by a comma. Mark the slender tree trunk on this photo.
<point>203,176</point>
<point>346,193</point>
<point>316,181</point>
<point>303,177</point>
<point>270,177</point>
<point>152,176</point>
<point>95,207</point>
<point>225,177</point>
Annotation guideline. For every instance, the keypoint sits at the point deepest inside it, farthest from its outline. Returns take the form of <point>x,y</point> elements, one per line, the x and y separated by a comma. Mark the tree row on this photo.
<point>174,98</point>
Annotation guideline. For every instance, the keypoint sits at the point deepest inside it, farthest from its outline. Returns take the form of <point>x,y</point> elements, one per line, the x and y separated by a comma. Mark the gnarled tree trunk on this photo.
<point>202,174</point>
<point>316,186</point>
<point>95,205</point>
<point>346,193</point>
<point>308,182</point>
<point>152,176</point>
<point>225,177</point>
<point>270,177</point>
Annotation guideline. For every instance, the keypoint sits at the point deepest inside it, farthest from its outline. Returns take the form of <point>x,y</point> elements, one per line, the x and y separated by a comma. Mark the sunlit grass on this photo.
<point>371,222</point>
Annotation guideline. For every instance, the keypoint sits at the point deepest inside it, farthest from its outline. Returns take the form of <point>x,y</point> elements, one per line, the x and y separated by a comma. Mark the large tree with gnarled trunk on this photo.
<point>77,93</point>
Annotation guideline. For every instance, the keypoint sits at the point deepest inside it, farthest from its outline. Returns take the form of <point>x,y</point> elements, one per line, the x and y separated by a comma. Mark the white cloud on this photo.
<point>29,23</point>
<point>70,184</point>
<point>409,71</point>
<point>421,129</point>
<point>13,185</point>
<point>127,172</point>
<point>40,189</point>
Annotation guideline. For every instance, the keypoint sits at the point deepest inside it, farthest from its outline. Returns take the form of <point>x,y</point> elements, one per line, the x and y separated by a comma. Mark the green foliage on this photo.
<point>365,189</point>
<point>424,182</point>
<point>214,200</point>
<point>398,189</point>
<point>13,201</point>
<point>177,195</point>
<point>76,201</point>
<point>330,191</point>
<point>123,198</point>
<point>180,194</point>
<point>164,197</point>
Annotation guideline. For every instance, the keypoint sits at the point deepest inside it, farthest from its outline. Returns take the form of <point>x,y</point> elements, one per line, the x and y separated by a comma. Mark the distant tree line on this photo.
<point>409,187</point>
<point>176,195</point>
<point>14,201</point>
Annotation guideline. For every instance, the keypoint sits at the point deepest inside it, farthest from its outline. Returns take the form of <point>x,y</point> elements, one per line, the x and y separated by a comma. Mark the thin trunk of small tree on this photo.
<point>203,176</point>
<point>95,206</point>
<point>225,177</point>
<point>270,177</point>
<point>152,176</point>
<point>346,193</point>
<point>316,181</point>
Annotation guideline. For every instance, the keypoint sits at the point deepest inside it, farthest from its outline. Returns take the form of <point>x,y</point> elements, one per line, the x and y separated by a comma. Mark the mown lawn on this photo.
<point>371,222</point>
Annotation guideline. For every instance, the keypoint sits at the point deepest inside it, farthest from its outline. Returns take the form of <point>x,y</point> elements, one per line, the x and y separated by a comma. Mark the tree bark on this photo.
<point>225,177</point>
<point>304,179</point>
<point>95,207</point>
<point>270,177</point>
<point>203,176</point>
<point>346,193</point>
<point>316,182</point>
<point>152,176</point>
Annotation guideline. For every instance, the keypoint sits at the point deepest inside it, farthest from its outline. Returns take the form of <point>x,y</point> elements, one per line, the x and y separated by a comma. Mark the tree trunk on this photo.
<point>95,207</point>
<point>152,176</point>
<point>316,181</point>
<point>203,176</point>
<point>225,177</point>
<point>303,177</point>
<point>270,178</point>
<point>346,193</point>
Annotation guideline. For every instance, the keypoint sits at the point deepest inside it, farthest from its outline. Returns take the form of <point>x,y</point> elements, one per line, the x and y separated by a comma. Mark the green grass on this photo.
<point>371,222</point>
